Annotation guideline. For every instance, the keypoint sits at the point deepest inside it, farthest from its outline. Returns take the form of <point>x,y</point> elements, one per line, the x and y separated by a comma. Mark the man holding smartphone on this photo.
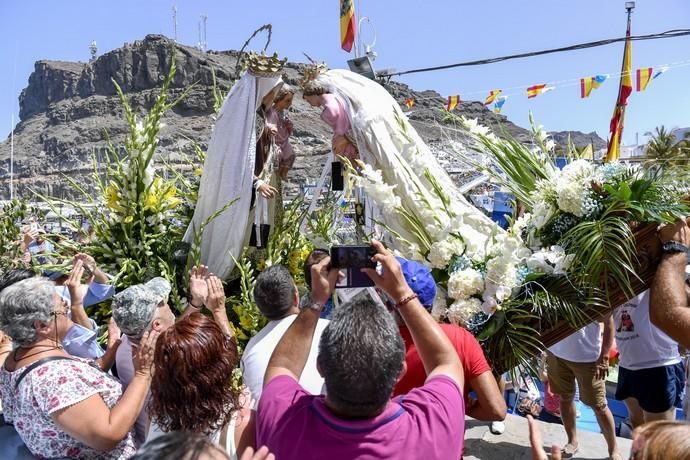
<point>361,357</point>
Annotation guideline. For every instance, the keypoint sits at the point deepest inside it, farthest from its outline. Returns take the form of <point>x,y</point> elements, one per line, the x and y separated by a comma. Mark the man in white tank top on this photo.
<point>651,375</point>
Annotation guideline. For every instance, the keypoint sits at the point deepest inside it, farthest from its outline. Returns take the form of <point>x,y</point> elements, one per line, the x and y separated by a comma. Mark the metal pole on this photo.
<point>12,160</point>
<point>174,9</point>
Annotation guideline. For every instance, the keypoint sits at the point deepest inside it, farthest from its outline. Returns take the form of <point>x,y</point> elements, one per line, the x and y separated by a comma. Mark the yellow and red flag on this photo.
<point>347,24</point>
<point>535,90</point>
<point>587,84</point>
<point>624,90</point>
<point>493,94</point>
<point>644,76</point>
<point>409,103</point>
<point>453,102</point>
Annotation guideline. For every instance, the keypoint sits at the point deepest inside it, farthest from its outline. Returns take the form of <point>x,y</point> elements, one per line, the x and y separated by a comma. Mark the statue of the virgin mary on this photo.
<point>368,124</point>
<point>238,166</point>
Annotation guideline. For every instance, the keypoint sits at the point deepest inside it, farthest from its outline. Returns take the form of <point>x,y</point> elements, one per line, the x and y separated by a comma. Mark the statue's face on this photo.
<point>284,103</point>
<point>313,100</point>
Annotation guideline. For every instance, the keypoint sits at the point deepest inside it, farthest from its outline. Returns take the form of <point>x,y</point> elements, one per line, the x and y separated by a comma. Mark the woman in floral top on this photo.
<point>63,406</point>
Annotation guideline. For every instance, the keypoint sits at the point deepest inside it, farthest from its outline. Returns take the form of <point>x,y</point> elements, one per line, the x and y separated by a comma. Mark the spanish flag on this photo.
<point>587,84</point>
<point>643,78</point>
<point>624,90</point>
<point>493,94</point>
<point>409,103</point>
<point>453,102</point>
<point>347,24</point>
<point>536,90</point>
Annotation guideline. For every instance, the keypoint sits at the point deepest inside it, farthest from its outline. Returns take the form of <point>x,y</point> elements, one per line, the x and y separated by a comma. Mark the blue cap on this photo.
<point>419,279</point>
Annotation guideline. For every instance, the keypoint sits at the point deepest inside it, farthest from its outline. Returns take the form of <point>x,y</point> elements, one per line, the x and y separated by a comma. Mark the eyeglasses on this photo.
<point>64,308</point>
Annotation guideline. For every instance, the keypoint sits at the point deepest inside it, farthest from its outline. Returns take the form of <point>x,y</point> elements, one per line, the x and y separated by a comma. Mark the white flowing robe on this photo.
<point>228,174</point>
<point>387,141</point>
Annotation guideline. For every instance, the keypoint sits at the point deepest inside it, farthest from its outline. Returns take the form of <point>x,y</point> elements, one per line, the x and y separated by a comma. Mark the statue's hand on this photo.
<point>266,190</point>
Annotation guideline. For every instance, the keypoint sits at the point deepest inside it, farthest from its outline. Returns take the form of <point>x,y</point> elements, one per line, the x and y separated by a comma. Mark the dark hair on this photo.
<point>274,292</point>
<point>314,257</point>
<point>15,275</point>
<point>177,445</point>
<point>192,387</point>
<point>360,357</point>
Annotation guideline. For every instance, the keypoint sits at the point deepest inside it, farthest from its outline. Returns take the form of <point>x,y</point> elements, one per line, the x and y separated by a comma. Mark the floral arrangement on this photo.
<point>139,216</point>
<point>570,240</point>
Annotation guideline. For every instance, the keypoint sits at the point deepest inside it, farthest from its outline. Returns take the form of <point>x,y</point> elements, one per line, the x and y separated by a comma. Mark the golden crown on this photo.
<point>311,72</point>
<point>261,65</point>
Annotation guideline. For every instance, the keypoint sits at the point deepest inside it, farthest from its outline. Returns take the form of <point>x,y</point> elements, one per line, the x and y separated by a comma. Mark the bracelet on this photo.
<point>405,300</point>
<point>192,304</point>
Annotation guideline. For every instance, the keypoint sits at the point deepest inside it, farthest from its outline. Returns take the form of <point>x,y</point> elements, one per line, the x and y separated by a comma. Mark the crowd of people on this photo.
<point>371,377</point>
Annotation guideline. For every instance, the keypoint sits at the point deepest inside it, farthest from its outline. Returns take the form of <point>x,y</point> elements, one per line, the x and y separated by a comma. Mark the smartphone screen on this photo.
<point>352,256</point>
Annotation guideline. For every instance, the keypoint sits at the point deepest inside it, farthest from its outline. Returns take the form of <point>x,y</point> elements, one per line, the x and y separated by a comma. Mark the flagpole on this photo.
<point>620,108</point>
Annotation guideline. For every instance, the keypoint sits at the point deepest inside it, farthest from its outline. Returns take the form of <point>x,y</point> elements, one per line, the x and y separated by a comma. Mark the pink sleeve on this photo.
<point>334,114</point>
<point>438,406</point>
<point>277,397</point>
<point>65,383</point>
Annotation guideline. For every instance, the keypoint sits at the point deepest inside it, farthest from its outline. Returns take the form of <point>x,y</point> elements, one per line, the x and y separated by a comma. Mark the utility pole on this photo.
<point>174,18</point>
<point>202,33</point>
<point>12,160</point>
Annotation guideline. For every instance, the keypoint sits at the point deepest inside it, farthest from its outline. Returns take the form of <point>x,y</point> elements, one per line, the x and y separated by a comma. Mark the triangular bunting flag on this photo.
<point>409,103</point>
<point>587,84</point>
<point>493,94</point>
<point>453,102</point>
<point>536,90</point>
<point>499,104</point>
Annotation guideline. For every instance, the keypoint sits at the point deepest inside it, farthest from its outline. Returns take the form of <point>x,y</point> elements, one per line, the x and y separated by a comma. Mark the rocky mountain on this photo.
<point>68,107</point>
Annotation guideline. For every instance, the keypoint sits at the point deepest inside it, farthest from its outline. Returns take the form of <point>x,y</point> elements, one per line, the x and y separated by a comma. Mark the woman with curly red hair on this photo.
<point>192,387</point>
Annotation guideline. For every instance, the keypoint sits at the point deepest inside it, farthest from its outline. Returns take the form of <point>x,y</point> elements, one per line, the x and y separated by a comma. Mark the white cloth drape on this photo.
<point>387,141</point>
<point>228,174</point>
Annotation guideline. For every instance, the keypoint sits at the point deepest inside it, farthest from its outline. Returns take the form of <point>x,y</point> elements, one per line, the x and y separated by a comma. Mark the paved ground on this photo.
<point>480,444</point>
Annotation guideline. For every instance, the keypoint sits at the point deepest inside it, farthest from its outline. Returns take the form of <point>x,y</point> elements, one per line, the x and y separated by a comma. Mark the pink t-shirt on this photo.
<point>45,390</point>
<point>428,423</point>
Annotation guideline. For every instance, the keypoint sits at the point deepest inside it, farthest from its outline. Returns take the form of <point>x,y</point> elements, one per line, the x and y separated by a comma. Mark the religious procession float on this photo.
<point>581,240</point>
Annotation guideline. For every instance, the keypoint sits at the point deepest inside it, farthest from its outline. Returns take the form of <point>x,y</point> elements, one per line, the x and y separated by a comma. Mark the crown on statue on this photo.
<point>311,72</point>
<point>261,65</point>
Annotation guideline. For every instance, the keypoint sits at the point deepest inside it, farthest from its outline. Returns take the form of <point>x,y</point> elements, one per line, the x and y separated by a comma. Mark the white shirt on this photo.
<point>641,344</point>
<point>584,346</point>
<point>260,348</point>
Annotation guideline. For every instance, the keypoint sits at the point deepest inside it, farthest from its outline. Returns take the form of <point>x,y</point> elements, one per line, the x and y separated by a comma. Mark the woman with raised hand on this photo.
<point>61,405</point>
<point>193,388</point>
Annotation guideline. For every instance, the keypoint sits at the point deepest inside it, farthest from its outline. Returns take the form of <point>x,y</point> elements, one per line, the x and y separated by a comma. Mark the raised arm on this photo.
<point>435,350</point>
<point>76,294</point>
<point>91,422</point>
<point>216,303</point>
<point>668,306</point>
<point>291,353</point>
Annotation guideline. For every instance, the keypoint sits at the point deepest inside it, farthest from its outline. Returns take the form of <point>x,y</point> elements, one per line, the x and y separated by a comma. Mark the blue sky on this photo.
<point>410,34</point>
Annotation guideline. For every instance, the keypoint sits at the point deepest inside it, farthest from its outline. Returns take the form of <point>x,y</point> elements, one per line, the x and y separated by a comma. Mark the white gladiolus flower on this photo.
<point>474,127</point>
<point>465,283</point>
<point>541,213</point>
<point>440,254</point>
<point>461,311</point>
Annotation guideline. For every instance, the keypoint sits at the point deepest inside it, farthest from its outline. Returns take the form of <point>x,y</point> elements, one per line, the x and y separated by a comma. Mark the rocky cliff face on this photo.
<point>67,109</point>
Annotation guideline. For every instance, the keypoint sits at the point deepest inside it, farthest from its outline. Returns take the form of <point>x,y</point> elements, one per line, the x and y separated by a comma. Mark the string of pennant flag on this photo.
<point>496,97</point>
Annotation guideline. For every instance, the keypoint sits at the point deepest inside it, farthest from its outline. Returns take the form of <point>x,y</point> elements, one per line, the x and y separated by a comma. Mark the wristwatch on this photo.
<point>308,302</point>
<point>671,247</point>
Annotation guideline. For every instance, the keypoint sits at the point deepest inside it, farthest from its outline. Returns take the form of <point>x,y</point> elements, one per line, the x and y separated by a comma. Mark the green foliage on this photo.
<point>13,214</point>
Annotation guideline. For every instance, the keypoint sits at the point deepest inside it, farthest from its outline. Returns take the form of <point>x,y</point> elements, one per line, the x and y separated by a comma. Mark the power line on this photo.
<point>668,34</point>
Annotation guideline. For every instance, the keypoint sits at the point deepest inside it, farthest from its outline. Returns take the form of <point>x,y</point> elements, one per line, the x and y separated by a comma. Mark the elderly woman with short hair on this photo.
<point>61,405</point>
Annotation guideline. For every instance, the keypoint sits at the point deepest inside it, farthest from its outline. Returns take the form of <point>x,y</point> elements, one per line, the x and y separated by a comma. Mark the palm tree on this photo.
<point>663,150</point>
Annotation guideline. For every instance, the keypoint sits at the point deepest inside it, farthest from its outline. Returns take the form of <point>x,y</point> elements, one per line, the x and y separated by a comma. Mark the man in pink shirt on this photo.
<point>361,357</point>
